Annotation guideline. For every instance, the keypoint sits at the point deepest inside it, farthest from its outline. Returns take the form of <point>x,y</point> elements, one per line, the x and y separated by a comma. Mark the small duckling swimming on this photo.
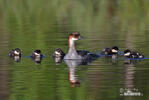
<point>132,54</point>
<point>110,51</point>
<point>37,56</point>
<point>58,53</point>
<point>140,55</point>
<point>15,52</point>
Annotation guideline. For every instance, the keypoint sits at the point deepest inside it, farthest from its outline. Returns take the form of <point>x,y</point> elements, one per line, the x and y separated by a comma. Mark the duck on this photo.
<point>15,52</point>
<point>37,56</point>
<point>58,53</point>
<point>77,54</point>
<point>110,51</point>
<point>132,54</point>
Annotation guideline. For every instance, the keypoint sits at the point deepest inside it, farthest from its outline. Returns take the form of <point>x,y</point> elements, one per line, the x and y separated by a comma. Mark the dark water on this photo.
<point>45,25</point>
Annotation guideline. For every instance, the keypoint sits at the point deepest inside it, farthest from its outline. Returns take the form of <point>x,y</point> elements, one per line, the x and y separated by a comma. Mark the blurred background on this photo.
<point>45,25</point>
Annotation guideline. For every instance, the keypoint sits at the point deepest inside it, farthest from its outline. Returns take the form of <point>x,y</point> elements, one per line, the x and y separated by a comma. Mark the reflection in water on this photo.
<point>58,60</point>
<point>37,60</point>
<point>129,73</point>
<point>127,61</point>
<point>4,80</point>
<point>72,64</point>
<point>16,58</point>
<point>115,56</point>
<point>30,24</point>
<point>111,59</point>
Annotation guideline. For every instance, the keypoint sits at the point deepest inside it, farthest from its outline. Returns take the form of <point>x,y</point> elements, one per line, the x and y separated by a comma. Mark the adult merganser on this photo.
<point>77,54</point>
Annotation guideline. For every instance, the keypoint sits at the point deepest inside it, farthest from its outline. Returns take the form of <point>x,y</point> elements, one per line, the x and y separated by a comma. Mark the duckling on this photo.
<point>106,51</point>
<point>127,53</point>
<point>37,56</point>
<point>15,52</point>
<point>58,53</point>
<point>132,54</point>
<point>115,50</point>
<point>110,51</point>
<point>140,55</point>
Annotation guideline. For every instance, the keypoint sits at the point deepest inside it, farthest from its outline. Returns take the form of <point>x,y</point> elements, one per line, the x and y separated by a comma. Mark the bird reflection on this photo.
<point>129,73</point>
<point>130,61</point>
<point>111,59</point>
<point>58,56</point>
<point>58,60</point>
<point>73,79</point>
<point>37,60</point>
<point>16,58</point>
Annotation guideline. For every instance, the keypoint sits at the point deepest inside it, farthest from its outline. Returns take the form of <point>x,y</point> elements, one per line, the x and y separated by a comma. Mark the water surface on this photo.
<point>45,25</point>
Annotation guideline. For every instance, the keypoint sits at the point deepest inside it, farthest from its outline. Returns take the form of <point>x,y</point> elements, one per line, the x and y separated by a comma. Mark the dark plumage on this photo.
<point>58,53</point>
<point>132,54</point>
<point>36,54</point>
<point>106,51</point>
<point>87,55</point>
<point>15,52</point>
<point>110,51</point>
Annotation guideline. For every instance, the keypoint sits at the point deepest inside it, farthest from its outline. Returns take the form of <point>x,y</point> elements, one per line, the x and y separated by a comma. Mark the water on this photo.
<point>45,25</point>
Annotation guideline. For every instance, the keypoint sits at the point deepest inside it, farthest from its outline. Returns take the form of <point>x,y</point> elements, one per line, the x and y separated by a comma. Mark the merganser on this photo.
<point>110,51</point>
<point>132,54</point>
<point>115,50</point>
<point>77,54</point>
<point>58,53</point>
<point>15,52</point>
<point>37,56</point>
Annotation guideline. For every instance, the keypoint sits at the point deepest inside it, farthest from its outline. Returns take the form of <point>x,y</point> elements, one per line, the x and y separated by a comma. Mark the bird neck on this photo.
<point>71,44</point>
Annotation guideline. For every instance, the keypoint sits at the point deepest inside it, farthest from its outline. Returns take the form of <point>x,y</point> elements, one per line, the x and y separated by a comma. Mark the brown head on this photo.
<point>73,37</point>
